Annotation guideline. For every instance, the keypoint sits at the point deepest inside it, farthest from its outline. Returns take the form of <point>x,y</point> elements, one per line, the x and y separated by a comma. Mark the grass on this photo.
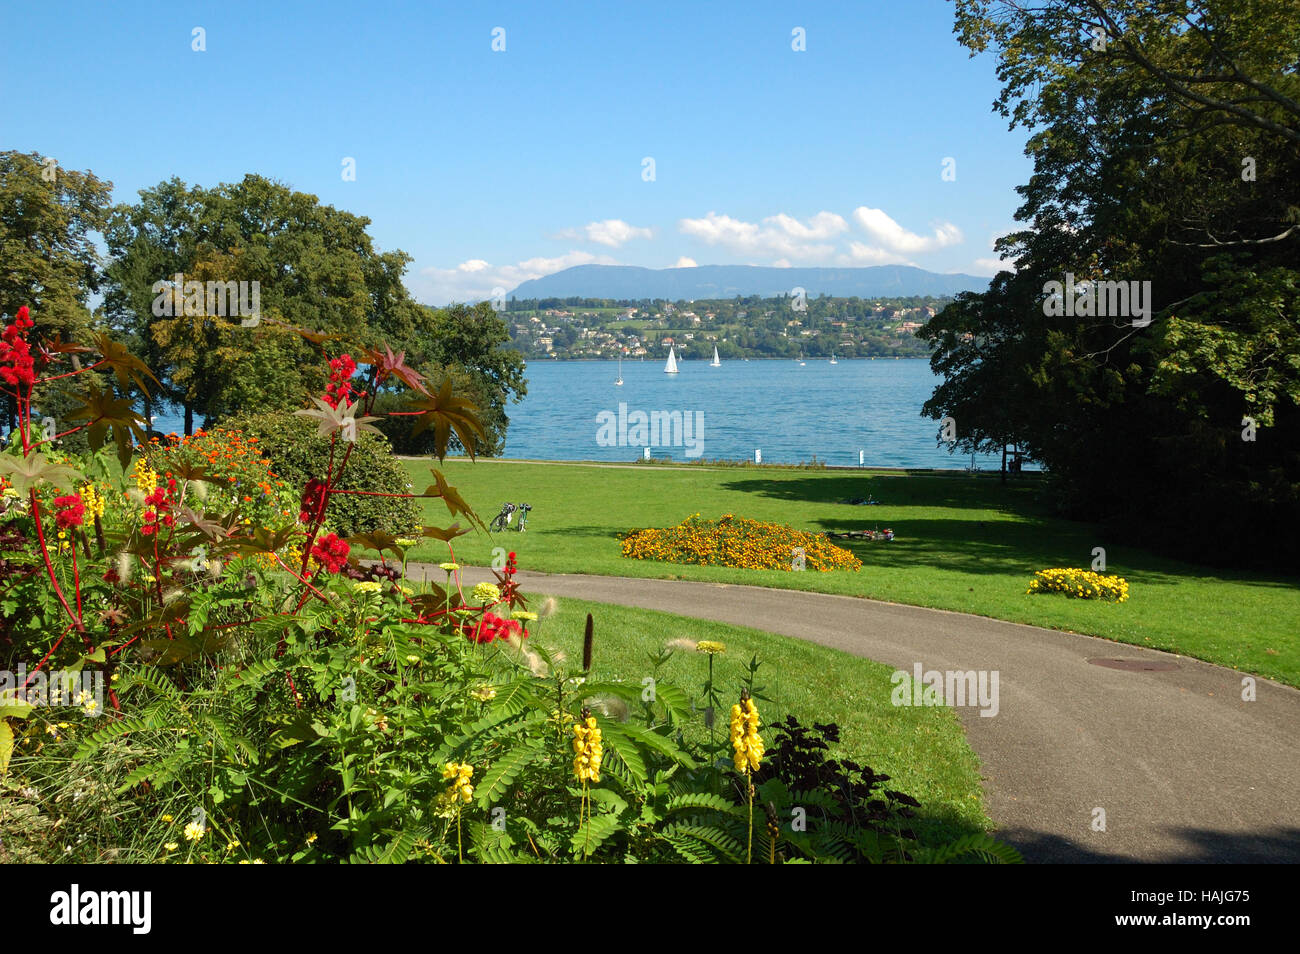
<point>922,749</point>
<point>962,543</point>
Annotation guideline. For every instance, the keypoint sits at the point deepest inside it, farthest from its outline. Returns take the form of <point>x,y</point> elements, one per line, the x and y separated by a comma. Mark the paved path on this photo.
<point>1183,767</point>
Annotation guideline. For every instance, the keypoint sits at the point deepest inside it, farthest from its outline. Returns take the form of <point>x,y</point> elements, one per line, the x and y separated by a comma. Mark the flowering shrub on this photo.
<point>736,542</point>
<point>1080,584</point>
<point>274,697</point>
<point>241,476</point>
<point>376,481</point>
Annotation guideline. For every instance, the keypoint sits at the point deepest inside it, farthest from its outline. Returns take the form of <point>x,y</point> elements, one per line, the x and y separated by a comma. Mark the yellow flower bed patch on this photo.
<point>737,542</point>
<point>1080,584</point>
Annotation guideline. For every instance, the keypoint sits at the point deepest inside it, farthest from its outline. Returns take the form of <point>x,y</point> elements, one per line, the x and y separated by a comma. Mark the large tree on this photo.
<point>48,257</point>
<point>1164,138</point>
<point>315,267</point>
<point>468,345</point>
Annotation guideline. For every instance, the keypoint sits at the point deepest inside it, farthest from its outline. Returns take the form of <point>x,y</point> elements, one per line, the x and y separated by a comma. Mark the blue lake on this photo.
<point>791,412</point>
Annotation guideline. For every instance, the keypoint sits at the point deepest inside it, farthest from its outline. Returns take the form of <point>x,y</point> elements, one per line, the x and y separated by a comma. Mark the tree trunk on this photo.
<point>1004,463</point>
<point>189,419</point>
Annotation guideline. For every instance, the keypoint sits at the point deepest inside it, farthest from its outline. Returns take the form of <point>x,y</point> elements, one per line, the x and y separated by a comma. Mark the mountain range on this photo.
<point>631,282</point>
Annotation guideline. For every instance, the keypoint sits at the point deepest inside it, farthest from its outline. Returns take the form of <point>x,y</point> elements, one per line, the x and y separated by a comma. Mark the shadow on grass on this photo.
<point>919,490</point>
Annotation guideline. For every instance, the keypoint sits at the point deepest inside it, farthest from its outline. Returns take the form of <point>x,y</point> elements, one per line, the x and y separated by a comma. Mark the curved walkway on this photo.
<point>1184,769</point>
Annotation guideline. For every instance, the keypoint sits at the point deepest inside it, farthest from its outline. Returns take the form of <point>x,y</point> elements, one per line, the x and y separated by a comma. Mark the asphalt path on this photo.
<point>1183,766</point>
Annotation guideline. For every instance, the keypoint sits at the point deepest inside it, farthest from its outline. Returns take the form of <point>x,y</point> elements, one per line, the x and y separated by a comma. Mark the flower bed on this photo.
<point>737,542</point>
<point>1080,584</point>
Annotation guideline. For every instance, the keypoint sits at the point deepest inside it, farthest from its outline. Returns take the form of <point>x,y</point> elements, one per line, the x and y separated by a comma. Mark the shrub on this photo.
<point>737,542</point>
<point>1080,584</point>
<point>239,474</point>
<point>297,454</point>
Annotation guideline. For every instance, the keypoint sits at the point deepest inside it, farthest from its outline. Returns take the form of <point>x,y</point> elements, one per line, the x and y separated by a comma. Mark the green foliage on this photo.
<point>298,454</point>
<point>1164,142</point>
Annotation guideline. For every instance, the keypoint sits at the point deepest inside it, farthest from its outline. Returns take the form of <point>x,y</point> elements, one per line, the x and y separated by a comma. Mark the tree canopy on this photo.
<point>1164,137</point>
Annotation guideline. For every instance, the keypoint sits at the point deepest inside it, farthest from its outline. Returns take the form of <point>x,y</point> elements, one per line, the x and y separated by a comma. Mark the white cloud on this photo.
<point>611,232</point>
<point>892,236</point>
<point>475,279</point>
<point>860,254</point>
<point>781,235</point>
<point>685,262</point>
<point>991,266</point>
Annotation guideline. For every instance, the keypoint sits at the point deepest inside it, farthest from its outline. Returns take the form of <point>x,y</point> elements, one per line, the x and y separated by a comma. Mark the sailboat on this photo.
<point>833,361</point>
<point>716,362</point>
<point>671,366</point>
<point>619,382</point>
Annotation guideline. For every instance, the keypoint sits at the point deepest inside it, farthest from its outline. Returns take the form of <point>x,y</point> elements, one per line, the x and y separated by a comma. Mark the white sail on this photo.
<point>716,362</point>
<point>671,366</point>
<point>619,382</point>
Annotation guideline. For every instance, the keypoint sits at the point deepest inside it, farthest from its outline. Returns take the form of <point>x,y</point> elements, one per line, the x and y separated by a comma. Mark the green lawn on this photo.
<point>923,749</point>
<point>963,543</point>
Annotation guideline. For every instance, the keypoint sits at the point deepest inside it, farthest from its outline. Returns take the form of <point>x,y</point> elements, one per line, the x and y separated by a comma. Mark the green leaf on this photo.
<point>25,473</point>
<point>6,746</point>
<point>503,772</point>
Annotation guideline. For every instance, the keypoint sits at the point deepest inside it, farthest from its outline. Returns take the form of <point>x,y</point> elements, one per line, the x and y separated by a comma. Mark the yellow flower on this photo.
<point>523,614</point>
<point>710,646</point>
<point>171,846</point>
<point>146,478</point>
<point>484,693</point>
<point>93,500</point>
<point>460,789</point>
<point>449,567</point>
<point>587,748</point>
<point>486,594</point>
<point>368,586</point>
<point>745,740</point>
<point>168,818</point>
<point>194,831</point>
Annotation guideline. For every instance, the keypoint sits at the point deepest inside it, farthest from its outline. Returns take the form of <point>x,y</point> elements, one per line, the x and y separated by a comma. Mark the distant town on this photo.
<point>591,328</point>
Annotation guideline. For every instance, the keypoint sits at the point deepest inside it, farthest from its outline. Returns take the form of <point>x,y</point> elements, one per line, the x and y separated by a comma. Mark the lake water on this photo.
<point>791,412</point>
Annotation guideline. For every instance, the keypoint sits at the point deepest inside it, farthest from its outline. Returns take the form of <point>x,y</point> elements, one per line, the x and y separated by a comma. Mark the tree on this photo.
<point>1143,114</point>
<point>314,266</point>
<point>469,344</point>
<point>47,218</point>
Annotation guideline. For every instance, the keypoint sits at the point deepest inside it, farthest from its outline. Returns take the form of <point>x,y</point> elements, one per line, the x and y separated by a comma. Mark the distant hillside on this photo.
<point>728,281</point>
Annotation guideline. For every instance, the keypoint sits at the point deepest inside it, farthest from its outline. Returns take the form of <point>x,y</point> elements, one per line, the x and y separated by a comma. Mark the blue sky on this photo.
<point>492,167</point>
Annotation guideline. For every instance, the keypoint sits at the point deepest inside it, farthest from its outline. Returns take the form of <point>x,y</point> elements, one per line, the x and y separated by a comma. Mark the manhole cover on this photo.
<point>1135,665</point>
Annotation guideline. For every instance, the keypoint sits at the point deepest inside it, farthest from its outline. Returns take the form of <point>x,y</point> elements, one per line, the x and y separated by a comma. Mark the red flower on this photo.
<point>331,551</point>
<point>16,365</point>
<point>340,387</point>
<point>313,501</point>
<point>69,511</point>
<point>492,627</point>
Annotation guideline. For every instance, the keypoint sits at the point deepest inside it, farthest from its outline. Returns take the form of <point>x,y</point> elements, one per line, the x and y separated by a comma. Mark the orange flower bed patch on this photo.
<point>737,542</point>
